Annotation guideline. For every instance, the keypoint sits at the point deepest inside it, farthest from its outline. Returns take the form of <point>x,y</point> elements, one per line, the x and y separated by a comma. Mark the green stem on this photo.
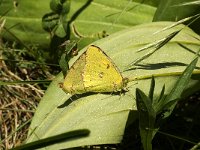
<point>160,75</point>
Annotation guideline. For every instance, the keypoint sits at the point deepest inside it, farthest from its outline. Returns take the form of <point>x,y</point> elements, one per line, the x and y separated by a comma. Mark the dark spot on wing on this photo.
<point>108,66</point>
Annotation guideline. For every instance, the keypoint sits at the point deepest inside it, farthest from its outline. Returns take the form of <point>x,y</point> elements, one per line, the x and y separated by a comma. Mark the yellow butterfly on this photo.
<point>93,71</point>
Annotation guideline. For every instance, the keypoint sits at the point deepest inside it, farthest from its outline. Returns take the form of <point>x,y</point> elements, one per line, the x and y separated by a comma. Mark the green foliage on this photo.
<point>69,20</point>
<point>148,108</point>
<point>123,29</point>
<point>175,10</point>
<point>70,51</point>
<point>147,117</point>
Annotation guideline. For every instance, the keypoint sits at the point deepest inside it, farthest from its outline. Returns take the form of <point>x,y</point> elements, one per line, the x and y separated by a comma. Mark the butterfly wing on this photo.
<point>100,73</point>
<point>73,82</point>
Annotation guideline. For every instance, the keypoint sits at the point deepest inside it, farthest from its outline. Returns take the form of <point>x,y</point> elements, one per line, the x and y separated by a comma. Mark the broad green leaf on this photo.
<point>24,20</point>
<point>105,115</point>
<point>109,16</point>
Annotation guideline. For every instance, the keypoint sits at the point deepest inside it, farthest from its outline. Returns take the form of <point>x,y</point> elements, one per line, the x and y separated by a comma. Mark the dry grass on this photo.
<point>17,106</point>
<point>18,102</point>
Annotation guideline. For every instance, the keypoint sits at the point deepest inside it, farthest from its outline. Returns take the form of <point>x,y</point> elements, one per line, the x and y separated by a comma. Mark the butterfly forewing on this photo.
<point>100,73</point>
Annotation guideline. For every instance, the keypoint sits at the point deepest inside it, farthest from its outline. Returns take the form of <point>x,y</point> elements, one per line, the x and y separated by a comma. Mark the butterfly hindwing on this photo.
<point>73,82</point>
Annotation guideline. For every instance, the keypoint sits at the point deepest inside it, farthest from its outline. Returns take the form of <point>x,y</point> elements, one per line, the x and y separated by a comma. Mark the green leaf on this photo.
<point>109,17</point>
<point>50,21</point>
<point>147,118</point>
<point>24,20</point>
<point>160,97</point>
<point>172,10</point>
<point>70,48</point>
<point>171,100</point>
<point>66,137</point>
<point>152,87</point>
<point>105,115</point>
<point>183,81</point>
<point>147,111</point>
<point>56,6</point>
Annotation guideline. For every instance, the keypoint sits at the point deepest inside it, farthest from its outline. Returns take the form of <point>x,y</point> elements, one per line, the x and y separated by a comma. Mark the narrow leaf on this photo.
<point>68,136</point>
<point>146,119</point>
<point>180,85</point>
<point>151,91</point>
